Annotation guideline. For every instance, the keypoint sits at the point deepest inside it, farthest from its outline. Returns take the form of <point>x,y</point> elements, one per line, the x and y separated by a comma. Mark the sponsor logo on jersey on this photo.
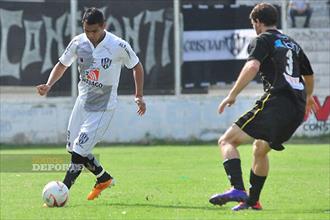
<point>106,62</point>
<point>235,43</point>
<point>294,82</point>
<point>287,44</point>
<point>91,77</point>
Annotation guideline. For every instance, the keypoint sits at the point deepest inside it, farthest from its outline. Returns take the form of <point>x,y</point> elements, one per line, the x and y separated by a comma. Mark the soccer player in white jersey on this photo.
<point>100,56</point>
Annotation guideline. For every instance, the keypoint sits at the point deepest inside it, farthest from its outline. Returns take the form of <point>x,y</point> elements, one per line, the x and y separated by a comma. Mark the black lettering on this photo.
<point>93,83</point>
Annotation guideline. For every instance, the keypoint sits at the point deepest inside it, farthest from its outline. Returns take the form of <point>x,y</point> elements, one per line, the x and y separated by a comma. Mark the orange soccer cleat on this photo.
<point>99,187</point>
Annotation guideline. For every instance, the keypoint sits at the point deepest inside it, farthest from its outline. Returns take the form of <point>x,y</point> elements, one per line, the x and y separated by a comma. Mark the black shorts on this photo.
<point>274,119</point>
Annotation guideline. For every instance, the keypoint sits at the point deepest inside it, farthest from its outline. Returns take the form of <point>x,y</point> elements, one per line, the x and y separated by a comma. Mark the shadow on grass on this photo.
<point>211,208</point>
<point>151,205</point>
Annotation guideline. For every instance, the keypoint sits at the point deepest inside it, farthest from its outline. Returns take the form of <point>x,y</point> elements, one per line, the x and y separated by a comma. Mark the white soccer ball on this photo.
<point>55,194</point>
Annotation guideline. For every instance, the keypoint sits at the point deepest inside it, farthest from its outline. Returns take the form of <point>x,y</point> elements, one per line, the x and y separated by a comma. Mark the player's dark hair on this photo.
<point>93,16</point>
<point>265,13</point>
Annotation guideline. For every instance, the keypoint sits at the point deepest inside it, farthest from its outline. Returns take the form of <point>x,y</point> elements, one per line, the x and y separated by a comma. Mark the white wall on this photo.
<point>168,117</point>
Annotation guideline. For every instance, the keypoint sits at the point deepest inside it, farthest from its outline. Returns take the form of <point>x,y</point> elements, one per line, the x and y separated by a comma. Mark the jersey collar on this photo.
<point>99,44</point>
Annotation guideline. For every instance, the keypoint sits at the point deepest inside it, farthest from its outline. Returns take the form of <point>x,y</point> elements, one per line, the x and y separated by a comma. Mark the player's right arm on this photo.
<point>67,58</point>
<point>56,73</point>
<point>258,50</point>
<point>247,74</point>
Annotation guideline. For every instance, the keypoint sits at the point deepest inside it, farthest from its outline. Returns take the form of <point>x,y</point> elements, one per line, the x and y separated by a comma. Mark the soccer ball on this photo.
<point>55,194</point>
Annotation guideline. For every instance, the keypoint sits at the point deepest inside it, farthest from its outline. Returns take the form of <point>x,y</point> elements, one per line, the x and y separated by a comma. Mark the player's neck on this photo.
<point>99,40</point>
<point>268,28</point>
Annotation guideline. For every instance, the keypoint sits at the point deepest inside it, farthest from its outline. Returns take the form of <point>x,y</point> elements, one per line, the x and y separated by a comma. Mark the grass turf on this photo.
<point>166,182</point>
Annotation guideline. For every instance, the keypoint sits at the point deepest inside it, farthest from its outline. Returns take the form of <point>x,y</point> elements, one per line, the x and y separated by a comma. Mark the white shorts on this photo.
<point>86,129</point>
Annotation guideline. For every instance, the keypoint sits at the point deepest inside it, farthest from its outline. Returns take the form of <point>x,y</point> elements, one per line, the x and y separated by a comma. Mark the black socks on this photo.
<point>74,170</point>
<point>77,164</point>
<point>95,167</point>
<point>234,173</point>
<point>256,182</point>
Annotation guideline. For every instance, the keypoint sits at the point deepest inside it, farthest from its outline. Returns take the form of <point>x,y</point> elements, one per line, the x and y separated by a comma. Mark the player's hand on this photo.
<point>311,105</point>
<point>43,89</point>
<point>227,102</point>
<point>141,105</point>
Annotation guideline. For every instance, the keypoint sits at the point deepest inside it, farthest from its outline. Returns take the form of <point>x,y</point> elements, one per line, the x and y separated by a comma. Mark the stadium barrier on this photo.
<point>183,118</point>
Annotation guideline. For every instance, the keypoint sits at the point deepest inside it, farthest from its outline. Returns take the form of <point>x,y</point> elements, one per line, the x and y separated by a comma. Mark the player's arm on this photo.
<point>138,74</point>
<point>131,61</point>
<point>248,72</point>
<point>309,85</point>
<point>308,77</point>
<point>56,73</point>
<point>258,50</point>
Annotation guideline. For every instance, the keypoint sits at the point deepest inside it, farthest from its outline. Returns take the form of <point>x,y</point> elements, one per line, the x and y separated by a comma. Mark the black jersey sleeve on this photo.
<point>258,49</point>
<point>305,66</point>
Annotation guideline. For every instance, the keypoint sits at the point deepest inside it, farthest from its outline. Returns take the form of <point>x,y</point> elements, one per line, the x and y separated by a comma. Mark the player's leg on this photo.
<point>258,175</point>
<point>259,171</point>
<point>228,144</point>
<point>92,132</point>
<point>94,166</point>
<point>75,122</point>
<point>74,170</point>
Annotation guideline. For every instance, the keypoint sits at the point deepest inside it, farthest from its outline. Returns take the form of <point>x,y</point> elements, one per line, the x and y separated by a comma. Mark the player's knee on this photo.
<point>225,144</point>
<point>225,141</point>
<point>260,148</point>
<point>222,141</point>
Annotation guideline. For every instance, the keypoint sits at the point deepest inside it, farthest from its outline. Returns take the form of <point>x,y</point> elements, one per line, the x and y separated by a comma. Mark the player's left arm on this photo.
<point>138,74</point>
<point>310,102</point>
<point>308,77</point>
<point>131,61</point>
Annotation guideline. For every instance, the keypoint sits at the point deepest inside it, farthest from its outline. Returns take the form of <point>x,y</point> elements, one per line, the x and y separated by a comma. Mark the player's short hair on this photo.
<point>93,16</point>
<point>265,13</point>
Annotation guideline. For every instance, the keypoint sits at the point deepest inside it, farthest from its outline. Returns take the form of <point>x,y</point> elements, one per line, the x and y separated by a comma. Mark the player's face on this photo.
<point>94,32</point>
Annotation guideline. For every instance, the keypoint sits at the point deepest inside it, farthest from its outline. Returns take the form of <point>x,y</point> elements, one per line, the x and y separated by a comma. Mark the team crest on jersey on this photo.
<point>83,138</point>
<point>235,43</point>
<point>106,62</point>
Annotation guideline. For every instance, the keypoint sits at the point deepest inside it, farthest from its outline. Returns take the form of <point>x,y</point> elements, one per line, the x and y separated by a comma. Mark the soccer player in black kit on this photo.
<point>288,83</point>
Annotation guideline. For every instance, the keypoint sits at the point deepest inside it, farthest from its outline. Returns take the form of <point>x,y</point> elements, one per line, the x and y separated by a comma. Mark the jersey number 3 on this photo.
<point>289,63</point>
<point>293,81</point>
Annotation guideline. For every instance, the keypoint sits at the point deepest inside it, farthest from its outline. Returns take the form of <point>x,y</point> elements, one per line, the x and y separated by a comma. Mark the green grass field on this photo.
<point>175,182</point>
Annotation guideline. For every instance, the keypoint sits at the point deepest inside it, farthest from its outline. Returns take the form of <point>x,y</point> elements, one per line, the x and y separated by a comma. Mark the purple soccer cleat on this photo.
<point>232,195</point>
<point>244,205</point>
